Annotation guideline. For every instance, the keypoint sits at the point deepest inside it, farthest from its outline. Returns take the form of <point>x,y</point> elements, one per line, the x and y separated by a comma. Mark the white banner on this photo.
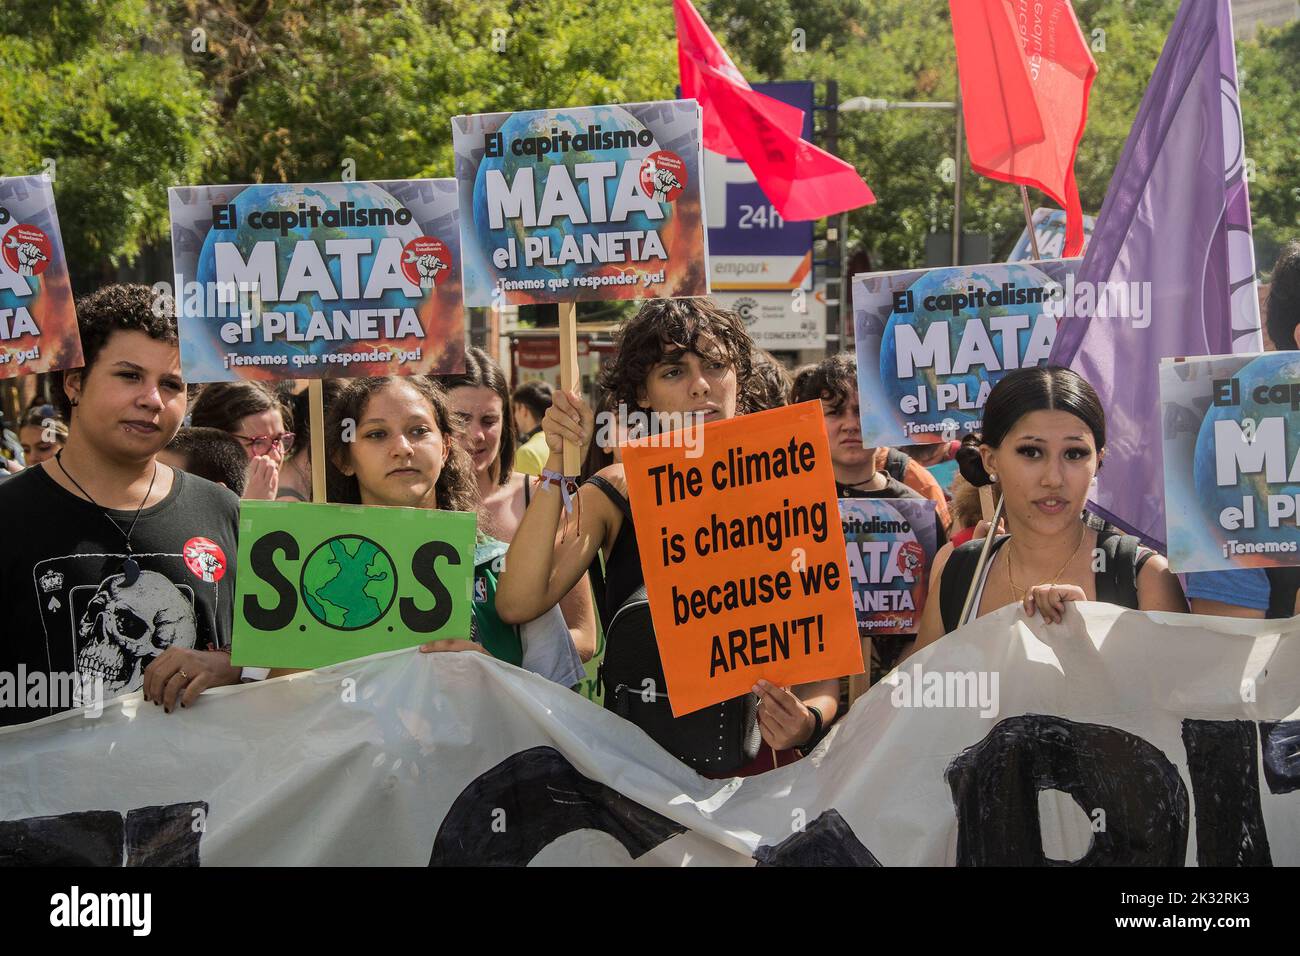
<point>1116,737</point>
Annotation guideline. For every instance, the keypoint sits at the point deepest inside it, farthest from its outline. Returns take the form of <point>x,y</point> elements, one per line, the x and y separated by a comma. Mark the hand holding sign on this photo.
<point>569,419</point>
<point>783,719</point>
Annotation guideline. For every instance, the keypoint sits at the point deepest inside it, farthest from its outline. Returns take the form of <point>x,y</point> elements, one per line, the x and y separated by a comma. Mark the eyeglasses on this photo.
<point>262,444</point>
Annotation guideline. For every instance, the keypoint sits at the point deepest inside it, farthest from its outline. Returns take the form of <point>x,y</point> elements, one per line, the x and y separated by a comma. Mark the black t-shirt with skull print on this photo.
<point>67,611</point>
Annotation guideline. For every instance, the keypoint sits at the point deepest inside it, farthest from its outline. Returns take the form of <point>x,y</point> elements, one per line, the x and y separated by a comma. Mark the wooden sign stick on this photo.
<point>316,401</point>
<point>569,377</point>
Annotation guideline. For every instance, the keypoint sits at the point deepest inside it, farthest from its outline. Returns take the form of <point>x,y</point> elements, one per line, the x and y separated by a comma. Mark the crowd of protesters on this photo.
<point>122,483</point>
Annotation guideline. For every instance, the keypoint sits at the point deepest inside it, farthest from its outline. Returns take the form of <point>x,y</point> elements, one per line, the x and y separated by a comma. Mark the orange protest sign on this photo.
<point>744,556</point>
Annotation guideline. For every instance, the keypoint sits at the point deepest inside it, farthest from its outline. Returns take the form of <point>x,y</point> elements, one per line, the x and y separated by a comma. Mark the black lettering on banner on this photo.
<point>147,836</point>
<point>262,559</point>
<point>995,786</point>
<point>543,798</point>
<point>422,567</point>
<point>165,835</point>
<point>87,838</point>
<point>1281,743</point>
<point>827,841</point>
<point>1221,760</point>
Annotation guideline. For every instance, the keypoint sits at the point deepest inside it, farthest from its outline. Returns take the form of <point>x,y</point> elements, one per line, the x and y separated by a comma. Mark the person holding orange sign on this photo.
<point>682,360</point>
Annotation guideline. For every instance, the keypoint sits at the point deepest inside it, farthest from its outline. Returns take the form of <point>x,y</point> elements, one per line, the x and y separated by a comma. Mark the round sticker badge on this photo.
<point>910,557</point>
<point>26,250</point>
<point>205,559</point>
<point>663,176</point>
<point>425,261</point>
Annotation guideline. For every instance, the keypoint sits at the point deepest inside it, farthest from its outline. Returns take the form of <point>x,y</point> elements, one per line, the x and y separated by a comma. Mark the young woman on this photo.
<point>255,415</point>
<point>675,356</point>
<point>405,455</point>
<point>1043,440</point>
<point>42,434</point>
<point>480,407</point>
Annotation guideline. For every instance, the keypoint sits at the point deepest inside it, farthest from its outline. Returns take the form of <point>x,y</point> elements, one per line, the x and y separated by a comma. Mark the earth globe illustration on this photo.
<point>348,582</point>
<point>286,198</point>
<point>546,124</point>
<point>948,282</point>
<point>1267,370</point>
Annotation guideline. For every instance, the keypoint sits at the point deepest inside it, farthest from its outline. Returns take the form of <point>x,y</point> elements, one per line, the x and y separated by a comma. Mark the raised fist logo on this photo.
<point>423,259</point>
<point>664,181</point>
<point>911,557</point>
<point>663,176</point>
<point>428,266</point>
<point>29,255</point>
<point>208,565</point>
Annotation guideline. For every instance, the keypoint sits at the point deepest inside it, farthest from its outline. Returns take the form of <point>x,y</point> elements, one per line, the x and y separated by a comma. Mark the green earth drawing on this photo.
<point>348,582</point>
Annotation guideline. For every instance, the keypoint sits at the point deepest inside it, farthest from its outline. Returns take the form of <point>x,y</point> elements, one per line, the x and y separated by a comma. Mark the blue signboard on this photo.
<point>750,246</point>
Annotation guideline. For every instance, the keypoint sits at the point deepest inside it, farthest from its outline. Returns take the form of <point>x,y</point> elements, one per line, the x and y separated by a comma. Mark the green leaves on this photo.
<point>129,97</point>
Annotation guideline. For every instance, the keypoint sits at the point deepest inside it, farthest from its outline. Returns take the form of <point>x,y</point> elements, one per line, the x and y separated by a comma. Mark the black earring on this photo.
<point>75,403</point>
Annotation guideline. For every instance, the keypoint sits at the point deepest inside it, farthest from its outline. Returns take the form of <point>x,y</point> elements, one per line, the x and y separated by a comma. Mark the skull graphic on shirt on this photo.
<point>124,628</point>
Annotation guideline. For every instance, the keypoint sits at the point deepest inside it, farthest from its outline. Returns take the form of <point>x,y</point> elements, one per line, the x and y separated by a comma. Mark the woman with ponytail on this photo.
<point>1043,439</point>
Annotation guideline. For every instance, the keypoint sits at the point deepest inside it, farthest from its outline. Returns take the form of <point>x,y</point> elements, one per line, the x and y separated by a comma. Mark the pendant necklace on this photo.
<point>130,567</point>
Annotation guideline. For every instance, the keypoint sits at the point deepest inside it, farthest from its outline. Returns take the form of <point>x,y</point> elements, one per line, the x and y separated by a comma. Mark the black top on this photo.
<point>623,573</point>
<point>1283,585</point>
<point>65,608</point>
<point>1114,580</point>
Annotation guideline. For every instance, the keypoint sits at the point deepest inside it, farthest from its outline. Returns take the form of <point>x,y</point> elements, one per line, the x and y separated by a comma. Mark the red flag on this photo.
<point>1025,73</point>
<point>802,181</point>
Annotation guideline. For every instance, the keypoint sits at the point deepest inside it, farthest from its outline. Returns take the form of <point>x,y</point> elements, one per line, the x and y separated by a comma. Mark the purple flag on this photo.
<point>1170,270</point>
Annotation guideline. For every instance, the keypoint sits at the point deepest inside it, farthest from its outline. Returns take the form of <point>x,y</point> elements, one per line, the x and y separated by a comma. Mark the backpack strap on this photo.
<point>958,572</point>
<point>896,463</point>
<point>1124,556</point>
<point>1283,584</point>
<point>613,494</point>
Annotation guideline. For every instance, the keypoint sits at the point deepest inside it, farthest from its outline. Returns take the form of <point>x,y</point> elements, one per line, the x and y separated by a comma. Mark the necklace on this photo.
<point>130,567</point>
<point>865,481</point>
<point>1083,533</point>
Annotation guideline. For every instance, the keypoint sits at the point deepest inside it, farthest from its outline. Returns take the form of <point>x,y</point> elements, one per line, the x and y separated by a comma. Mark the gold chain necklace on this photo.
<point>1083,533</point>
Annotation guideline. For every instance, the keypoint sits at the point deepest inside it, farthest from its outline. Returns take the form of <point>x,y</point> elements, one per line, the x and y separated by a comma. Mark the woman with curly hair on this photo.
<point>678,359</point>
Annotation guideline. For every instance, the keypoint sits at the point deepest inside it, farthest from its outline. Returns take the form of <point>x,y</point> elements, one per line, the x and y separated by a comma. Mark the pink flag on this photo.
<point>802,181</point>
<point>1026,72</point>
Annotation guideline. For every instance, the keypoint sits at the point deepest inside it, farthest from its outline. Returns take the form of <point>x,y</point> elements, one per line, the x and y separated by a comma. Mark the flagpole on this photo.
<point>1029,221</point>
<point>966,608</point>
<point>958,165</point>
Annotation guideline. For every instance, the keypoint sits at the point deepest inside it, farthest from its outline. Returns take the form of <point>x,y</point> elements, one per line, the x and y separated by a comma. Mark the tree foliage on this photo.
<point>129,97</point>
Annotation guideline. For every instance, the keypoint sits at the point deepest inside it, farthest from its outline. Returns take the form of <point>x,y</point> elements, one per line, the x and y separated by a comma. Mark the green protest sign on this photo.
<point>319,584</point>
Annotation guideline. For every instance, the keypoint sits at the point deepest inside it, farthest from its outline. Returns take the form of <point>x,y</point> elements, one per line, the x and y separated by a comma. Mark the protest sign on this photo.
<point>890,544</point>
<point>323,280</point>
<point>38,324</point>
<point>1114,738</point>
<point>932,343</point>
<point>743,557</point>
<point>1049,229</point>
<point>320,584</point>
<point>569,205</point>
<point>1231,428</point>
